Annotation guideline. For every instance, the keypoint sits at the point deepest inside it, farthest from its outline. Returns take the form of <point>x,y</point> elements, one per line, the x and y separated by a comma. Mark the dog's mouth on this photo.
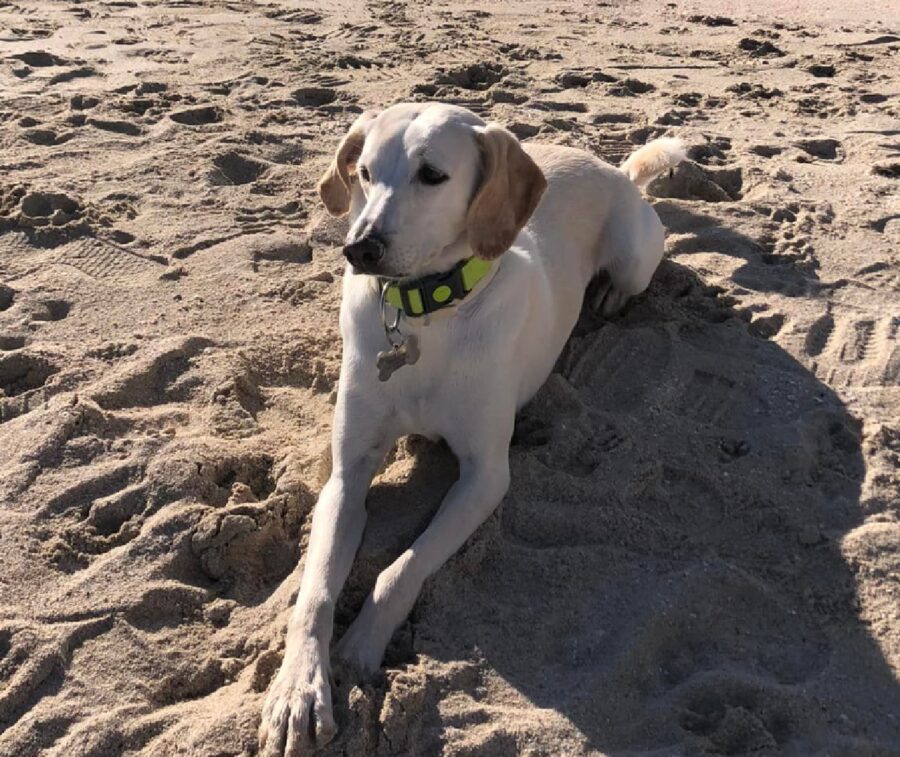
<point>394,276</point>
<point>369,270</point>
<point>427,265</point>
<point>378,270</point>
<point>384,272</point>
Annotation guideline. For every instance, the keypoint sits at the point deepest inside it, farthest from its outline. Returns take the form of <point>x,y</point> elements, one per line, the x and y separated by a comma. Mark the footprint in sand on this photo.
<point>819,335</point>
<point>822,70</point>
<point>712,20</point>
<point>823,149</point>
<point>353,62</point>
<point>111,521</point>
<point>498,96</point>
<point>112,351</point>
<point>887,170</point>
<point>42,208</point>
<point>46,137</point>
<point>477,76</point>
<point>766,151</point>
<point>314,97</point>
<point>118,127</point>
<point>862,352</point>
<point>523,130</point>
<point>708,397</point>
<point>232,168</point>
<point>75,73</point>
<point>301,16</point>
<point>746,90</point>
<point>21,373</point>
<point>49,217</point>
<point>102,259</point>
<point>33,654</point>
<point>103,481</point>
<point>881,224</point>
<point>40,59</point>
<point>7,297</point>
<point>199,116</point>
<point>760,49</point>
<point>51,310</point>
<point>557,106</point>
<point>83,102</point>
<point>792,228</point>
<point>266,218</point>
<point>767,326</point>
<point>630,88</point>
<point>9,343</point>
<point>159,374</point>
<point>713,153</point>
<point>879,274</point>
<point>857,342</point>
<point>578,79</point>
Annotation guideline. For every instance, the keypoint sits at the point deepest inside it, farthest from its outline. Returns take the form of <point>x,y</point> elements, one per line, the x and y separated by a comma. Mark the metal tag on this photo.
<point>389,361</point>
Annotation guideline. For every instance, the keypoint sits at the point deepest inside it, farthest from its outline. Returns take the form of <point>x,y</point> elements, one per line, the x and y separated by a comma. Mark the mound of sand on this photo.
<point>699,551</point>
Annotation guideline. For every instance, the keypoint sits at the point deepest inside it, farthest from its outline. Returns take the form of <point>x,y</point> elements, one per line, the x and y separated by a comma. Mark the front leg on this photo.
<point>481,486</point>
<point>297,716</point>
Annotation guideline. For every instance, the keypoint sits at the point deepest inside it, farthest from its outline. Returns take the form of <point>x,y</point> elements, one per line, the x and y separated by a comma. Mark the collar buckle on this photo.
<point>439,290</point>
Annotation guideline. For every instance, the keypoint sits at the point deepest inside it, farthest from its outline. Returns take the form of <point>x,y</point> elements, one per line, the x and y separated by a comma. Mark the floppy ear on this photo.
<point>334,186</point>
<point>510,190</point>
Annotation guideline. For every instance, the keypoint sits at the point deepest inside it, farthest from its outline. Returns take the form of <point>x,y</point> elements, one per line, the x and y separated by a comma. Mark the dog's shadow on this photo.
<point>670,570</point>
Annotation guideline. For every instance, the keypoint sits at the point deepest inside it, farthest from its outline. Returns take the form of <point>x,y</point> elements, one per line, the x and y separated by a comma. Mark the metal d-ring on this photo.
<point>391,330</point>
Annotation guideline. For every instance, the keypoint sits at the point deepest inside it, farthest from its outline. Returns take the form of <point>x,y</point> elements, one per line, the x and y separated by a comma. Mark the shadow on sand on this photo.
<point>666,571</point>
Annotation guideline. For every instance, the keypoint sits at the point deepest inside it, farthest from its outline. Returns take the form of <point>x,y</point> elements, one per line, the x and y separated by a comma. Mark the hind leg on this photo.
<point>636,251</point>
<point>606,298</point>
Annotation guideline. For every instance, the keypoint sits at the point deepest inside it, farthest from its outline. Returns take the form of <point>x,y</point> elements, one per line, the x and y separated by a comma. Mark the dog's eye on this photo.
<point>364,173</point>
<point>431,176</point>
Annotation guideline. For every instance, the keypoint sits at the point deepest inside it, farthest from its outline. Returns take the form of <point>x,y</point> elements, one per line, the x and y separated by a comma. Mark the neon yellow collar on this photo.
<point>417,297</point>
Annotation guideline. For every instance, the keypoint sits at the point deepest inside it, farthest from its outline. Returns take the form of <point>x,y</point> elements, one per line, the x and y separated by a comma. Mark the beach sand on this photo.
<point>700,549</point>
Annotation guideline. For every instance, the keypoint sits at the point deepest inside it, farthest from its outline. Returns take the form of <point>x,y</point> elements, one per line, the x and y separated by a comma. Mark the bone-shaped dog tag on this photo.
<point>395,358</point>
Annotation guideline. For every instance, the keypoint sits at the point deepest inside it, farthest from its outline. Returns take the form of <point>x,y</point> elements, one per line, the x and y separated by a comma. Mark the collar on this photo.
<point>417,297</point>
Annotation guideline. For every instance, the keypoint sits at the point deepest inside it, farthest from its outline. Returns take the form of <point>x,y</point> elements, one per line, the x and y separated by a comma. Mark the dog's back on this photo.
<point>593,216</point>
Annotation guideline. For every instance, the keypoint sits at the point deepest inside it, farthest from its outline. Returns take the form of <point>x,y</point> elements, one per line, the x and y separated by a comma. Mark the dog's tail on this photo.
<point>653,158</point>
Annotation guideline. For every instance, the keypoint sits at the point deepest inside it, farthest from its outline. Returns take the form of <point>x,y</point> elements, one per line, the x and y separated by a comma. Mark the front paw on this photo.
<point>360,650</point>
<point>297,717</point>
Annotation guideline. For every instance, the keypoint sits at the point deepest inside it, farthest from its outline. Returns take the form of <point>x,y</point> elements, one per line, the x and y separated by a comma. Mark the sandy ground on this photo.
<point>700,549</point>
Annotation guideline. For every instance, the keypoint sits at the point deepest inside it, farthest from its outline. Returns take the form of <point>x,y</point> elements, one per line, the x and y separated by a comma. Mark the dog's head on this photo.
<point>427,185</point>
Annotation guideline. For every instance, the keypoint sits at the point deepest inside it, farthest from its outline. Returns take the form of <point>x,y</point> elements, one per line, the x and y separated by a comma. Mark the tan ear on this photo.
<point>510,190</point>
<point>334,186</point>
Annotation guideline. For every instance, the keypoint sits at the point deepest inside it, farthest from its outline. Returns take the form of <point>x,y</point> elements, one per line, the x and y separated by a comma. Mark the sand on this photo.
<point>700,549</point>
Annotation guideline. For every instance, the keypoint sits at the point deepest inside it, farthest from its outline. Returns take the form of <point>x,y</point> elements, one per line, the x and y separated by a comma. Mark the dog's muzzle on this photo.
<point>365,254</point>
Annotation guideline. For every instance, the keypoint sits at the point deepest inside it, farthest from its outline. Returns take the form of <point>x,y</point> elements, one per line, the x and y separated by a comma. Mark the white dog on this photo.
<point>469,255</point>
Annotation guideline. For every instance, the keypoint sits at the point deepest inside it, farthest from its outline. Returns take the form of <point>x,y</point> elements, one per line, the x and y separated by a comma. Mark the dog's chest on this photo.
<point>423,395</point>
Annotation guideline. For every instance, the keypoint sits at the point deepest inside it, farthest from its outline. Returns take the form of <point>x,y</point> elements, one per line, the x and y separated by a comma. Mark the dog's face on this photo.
<point>426,186</point>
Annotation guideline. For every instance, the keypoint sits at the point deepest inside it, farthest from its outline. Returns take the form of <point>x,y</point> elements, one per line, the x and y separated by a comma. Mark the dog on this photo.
<point>468,257</point>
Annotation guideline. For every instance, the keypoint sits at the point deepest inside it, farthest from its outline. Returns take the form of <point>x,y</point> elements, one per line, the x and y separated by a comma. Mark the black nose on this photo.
<point>365,253</point>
